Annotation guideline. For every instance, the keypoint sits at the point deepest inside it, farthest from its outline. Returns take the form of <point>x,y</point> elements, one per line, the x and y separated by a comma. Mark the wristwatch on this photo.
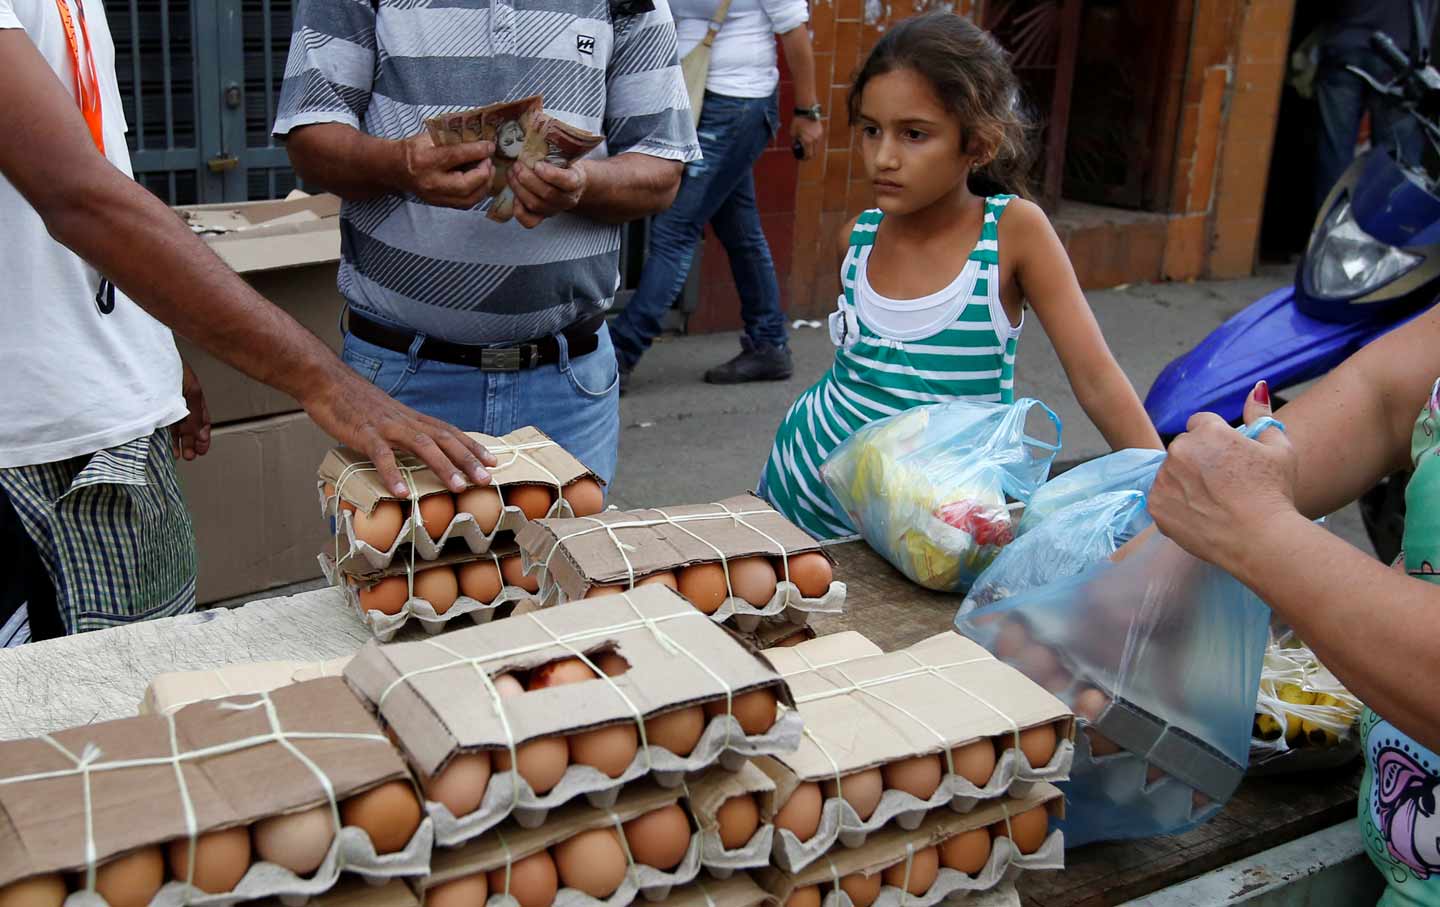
<point>816,113</point>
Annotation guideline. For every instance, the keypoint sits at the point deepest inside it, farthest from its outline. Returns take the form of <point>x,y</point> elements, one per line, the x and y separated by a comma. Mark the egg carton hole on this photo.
<point>746,623</point>
<point>656,894</point>
<point>669,780</point>
<point>732,761</point>
<point>603,799</point>
<point>910,820</point>
<point>720,873</point>
<point>530,818</point>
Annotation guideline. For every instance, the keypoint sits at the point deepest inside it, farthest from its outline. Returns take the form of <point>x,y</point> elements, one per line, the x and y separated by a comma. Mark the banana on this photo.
<point>1266,728</point>
<point>1318,734</point>
<point>1293,694</point>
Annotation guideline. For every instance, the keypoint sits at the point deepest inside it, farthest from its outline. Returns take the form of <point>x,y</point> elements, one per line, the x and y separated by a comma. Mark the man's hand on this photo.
<point>1217,487</point>
<point>434,172</point>
<point>543,191</point>
<point>810,134</point>
<point>191,435</point>
<point>361,416</point>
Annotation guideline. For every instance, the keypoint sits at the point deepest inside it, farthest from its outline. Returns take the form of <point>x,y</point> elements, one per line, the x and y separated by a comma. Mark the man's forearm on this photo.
<point>343,160</point>
<point>628,187</point>
<point>800,58</point>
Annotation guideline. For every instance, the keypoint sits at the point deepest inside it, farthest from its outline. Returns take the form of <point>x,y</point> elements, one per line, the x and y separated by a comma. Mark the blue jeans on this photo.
<point>574,401</point>
<point>1343,101</point>
<point>718,190</point>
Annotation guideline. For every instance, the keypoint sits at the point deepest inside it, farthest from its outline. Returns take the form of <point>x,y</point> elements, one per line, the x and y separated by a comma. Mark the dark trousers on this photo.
<point>26,583</point>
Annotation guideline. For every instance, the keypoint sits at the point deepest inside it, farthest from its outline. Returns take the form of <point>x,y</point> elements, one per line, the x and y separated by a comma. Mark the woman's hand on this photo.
<point>1217,486</point>
<point>810,134</point>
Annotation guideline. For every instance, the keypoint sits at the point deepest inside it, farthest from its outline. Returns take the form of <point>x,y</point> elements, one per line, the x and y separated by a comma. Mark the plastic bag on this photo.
<point>1123,470</point>
<point>1304,716</point>
<point>1160,656</point>
<point>928,488</point>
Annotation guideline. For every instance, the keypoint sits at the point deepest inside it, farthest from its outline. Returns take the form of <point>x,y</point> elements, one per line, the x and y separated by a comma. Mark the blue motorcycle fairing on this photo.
<point>1392,207</point>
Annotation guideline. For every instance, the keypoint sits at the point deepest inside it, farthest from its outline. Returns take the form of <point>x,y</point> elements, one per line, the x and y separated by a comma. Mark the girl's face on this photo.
<point>910,143</point>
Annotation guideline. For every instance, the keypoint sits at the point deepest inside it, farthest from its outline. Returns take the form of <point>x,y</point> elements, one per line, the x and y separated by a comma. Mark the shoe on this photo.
<point>755,363</point>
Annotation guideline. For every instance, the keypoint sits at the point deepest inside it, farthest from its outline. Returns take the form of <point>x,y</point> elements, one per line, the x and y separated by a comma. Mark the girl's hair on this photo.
<point>971,75</point>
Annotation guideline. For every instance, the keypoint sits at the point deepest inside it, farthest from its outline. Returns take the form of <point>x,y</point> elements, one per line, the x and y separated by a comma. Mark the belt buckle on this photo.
<point>508,358</point>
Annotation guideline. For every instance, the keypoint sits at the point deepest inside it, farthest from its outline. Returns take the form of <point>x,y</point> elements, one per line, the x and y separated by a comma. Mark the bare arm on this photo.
<point>130,236</point>
<point>800,58</point>
<point>355,166</point>
<point>1047,279</point>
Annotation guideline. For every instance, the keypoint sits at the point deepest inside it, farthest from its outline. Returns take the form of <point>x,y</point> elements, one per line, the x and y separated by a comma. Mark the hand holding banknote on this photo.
<point>452,175</point>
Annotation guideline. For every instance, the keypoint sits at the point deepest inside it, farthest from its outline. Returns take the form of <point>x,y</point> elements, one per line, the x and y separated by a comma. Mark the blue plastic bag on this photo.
<point>1160,656</point>
<point>928,488</point>
<point>1123,470</point>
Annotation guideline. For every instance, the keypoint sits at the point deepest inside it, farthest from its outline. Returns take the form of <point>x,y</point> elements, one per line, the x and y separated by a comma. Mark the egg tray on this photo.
<point>503,800</point>
<point>1167,801</point>
<point>384,626</point>
<point>349,550</point>
<point>707,795</point>
<point>1136,729</point>
<point>1005,864</point>
<point>754,854</point>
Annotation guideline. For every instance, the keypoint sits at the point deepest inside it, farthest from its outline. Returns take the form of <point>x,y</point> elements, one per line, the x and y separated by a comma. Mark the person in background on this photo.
<point>1344,97</point>
<point>93,523</point>
<point>739,117</point>
<point>485,324</point>
<point>937,277</point>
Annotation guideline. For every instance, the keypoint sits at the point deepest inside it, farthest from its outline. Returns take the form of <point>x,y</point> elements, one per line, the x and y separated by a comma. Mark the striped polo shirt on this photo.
<point>385,67</point>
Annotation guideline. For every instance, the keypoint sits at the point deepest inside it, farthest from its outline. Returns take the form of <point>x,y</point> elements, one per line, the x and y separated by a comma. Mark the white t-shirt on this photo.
<point>743,59</point>
<point>76,380</point>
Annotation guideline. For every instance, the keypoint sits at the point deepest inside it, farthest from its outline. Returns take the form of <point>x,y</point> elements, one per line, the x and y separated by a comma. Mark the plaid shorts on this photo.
<point>112,531</point>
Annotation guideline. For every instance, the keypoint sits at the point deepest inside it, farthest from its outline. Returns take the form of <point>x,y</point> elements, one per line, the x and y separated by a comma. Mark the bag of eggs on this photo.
<point>735,812</point>
<point>584,856</point>
<point>892,737</point>
<point>534,478</point>
<point>173,690</point>
<point>229,800</point>
<point>947,854</point>
<point>736,558</point>
<point>433,593</point>
<point>545,706</point>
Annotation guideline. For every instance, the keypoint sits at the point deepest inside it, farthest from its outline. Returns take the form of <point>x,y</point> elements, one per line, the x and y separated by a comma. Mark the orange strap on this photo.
<point>87,81</point>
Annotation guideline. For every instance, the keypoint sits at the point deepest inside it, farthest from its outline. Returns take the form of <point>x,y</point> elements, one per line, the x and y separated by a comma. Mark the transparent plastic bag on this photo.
<point>1304,716</point>
<point>1160,656</point>
<point>1123,470</point>
<point>928,488</point>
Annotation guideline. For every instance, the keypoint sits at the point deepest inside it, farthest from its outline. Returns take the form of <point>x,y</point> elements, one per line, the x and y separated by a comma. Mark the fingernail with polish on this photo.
<point>1262,393</point>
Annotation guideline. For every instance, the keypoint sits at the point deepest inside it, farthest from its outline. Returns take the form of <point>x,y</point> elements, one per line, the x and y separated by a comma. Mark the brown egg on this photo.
<point>862,889</point>
<point>704,585</point>
<point>1089,703</point>
<point>559,673</point>
<point>1100,745</point>
<point>1011,640</point>
<point>543,761</point>
<point>40,891</point>
<point>480,580</point>
<point>514,574</point>
<point>924,867</point>
<point>753,579</point>
<point>1153,773</point>
<point>1198,801</point>
<point>811,573</point>
<point>918,776</point>
<point>660,579</point>
<point>676,731</point>
<point>611,664</point>
<point>532,880</point>
<point>756,711</point>
<point>602,591</point>
<point>387,596</point>
<point>738,819</point>
<point>1037,743</point>
<point>609,749</point>
<point>329,495</point>
<point>585,496</point>
<point>298,842</point>
<point>592,862</point>
<point>468,891</point>
<point>389,814</point>
<point>1028,827</point>
<point>533,500</point>
<point>436,512</point>
<point>461,784</point>
<point>975,761</point>
<point>862,790</point>
<point>1038,662</point>
<point>808,896</point>
<point>131,880</point>
<point>660,838</point>
<point>801,813</point>
<point>221,859</point>
<point>482,503</point>
<point>438,586</point>
<point>379,528</point>
<point>967,852</point>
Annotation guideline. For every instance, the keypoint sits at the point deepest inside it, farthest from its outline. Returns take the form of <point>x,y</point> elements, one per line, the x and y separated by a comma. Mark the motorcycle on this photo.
<point>1372,264</point>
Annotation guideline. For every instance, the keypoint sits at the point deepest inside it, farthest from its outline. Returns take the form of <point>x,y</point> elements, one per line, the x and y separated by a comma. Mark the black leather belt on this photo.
<point>581,338</point>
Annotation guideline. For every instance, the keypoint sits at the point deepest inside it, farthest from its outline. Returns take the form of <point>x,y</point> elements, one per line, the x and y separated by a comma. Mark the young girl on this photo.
<point>937,276</point>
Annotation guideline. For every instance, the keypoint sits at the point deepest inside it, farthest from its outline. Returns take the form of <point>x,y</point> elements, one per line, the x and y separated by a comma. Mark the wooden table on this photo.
<point>99,676</point>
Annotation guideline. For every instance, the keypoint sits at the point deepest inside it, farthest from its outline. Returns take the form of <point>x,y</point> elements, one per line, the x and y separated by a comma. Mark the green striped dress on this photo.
<point>874,376</point>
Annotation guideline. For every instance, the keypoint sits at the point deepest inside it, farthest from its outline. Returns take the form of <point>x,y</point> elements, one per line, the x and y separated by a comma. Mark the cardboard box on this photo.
<point>575,556</point>
<point>289,251</point>
<point>250,499</point>
<point>172,691</point>
<point>51,808</point>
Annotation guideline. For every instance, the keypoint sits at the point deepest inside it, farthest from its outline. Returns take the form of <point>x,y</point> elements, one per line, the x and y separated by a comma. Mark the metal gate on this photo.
<point>200,81</point>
